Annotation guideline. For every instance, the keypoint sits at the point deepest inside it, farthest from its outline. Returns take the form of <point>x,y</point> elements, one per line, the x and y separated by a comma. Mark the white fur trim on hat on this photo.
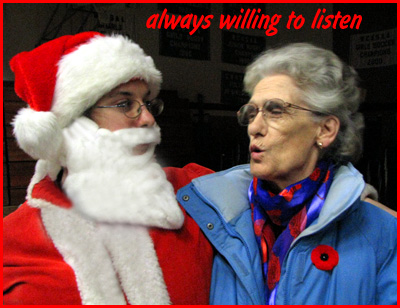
<point>38,133</point>
<point>94,69</point>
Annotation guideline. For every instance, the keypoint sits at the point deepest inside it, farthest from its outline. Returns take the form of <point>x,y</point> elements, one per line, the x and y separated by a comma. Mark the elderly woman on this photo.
<point>295,230</point>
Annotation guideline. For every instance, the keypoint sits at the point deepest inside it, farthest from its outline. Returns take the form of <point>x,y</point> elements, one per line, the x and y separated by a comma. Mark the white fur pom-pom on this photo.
<point>38,133</point>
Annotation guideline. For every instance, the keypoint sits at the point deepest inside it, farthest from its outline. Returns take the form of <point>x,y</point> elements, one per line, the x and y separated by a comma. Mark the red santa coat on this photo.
<point>35,272</point>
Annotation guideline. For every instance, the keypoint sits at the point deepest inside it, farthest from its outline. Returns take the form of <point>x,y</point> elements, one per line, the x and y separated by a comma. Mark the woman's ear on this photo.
<point>329,128</point>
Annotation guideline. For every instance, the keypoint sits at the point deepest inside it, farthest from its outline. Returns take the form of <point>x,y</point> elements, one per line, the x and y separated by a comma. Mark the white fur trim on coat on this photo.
<point>108,261</point>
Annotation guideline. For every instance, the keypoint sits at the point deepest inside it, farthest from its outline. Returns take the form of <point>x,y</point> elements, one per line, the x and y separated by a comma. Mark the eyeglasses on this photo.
<point>133,108</point>
<point>272,109</point>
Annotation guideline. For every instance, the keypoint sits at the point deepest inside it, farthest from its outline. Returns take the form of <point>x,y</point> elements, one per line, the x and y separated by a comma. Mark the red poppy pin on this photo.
<point>324,257</point>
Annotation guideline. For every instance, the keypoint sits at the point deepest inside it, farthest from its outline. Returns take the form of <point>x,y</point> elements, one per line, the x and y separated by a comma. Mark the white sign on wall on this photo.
<point>375,49</point>
<point>115,20</point>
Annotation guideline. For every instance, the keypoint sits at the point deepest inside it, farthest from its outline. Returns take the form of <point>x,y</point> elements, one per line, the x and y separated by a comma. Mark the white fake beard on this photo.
<point>107,183</point>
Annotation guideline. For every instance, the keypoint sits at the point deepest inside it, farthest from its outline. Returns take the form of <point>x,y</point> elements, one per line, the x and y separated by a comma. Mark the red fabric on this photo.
<point>35,71</point>
<point>35,273</point>
<point>288,194</point>
<point>53,194</point>
<point>33,270</point>
<point>185,256</point>
<point>295,224</point>
<point>324,257</point>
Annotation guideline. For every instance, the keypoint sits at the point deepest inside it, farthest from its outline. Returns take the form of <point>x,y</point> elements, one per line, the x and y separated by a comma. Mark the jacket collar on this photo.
<point>346,189</point>
<point>228,192</point>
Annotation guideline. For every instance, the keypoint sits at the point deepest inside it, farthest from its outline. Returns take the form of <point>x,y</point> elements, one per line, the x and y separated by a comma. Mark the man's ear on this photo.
<point>329,128</point>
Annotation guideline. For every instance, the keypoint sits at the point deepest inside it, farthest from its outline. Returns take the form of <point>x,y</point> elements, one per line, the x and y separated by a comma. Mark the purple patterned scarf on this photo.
<point>279,219</point>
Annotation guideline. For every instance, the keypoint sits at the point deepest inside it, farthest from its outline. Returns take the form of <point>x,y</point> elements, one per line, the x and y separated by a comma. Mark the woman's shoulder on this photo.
<point>376,223</point>
<point>381,206</point>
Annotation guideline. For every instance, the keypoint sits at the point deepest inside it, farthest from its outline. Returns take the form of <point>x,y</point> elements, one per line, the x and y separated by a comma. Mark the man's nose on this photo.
<point>145,119</point>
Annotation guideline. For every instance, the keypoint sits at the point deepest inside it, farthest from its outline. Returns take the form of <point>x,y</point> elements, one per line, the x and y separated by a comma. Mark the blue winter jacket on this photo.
<point>364,236</point>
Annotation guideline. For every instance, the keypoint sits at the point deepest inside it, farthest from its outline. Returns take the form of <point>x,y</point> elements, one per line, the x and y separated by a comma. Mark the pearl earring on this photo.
<point>320,145</point>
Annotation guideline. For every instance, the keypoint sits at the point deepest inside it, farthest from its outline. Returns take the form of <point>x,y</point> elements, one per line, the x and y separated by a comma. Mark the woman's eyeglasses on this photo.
<point>272,109</point>
<point>133,108</point>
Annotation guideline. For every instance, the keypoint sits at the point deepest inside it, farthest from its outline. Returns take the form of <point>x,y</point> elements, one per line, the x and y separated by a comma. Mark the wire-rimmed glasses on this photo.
<point>133,108</point>
<point>272,109</point>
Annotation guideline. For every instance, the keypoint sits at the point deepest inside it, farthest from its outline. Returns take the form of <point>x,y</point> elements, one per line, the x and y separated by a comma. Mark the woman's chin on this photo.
<point>257,169</point>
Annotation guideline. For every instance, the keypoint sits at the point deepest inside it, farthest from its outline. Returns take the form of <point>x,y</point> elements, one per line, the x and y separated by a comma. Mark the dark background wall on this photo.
<point>379,161</point>
<point>202,94</point>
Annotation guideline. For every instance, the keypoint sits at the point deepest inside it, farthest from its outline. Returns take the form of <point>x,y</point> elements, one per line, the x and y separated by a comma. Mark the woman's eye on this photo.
<point>275,109</point>
<point>252,114</point>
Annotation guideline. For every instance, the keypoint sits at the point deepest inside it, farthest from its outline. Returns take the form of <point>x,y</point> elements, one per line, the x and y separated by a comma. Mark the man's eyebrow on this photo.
<point>123,93</point>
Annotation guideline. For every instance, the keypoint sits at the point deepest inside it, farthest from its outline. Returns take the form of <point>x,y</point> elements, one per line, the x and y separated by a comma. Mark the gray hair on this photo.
<point>326,84</point>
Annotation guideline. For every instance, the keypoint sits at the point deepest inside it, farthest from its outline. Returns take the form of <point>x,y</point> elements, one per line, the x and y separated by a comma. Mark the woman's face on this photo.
<point>283,151</point>
<point>114,118</point>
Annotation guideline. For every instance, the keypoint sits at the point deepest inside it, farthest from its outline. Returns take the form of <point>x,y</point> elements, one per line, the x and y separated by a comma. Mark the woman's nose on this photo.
<point>258,125</point>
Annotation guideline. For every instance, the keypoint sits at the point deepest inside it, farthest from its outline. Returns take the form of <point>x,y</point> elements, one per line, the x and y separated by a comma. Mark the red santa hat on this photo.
<point>62,78</point>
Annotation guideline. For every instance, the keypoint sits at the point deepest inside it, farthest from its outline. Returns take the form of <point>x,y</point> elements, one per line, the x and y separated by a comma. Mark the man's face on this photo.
<point>114,118</point>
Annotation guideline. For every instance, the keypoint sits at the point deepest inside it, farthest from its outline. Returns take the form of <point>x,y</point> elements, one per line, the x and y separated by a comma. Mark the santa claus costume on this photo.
<point>112,232</point>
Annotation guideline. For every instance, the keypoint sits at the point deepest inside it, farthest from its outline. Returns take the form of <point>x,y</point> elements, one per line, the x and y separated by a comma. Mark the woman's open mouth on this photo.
<point>256,152</point>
